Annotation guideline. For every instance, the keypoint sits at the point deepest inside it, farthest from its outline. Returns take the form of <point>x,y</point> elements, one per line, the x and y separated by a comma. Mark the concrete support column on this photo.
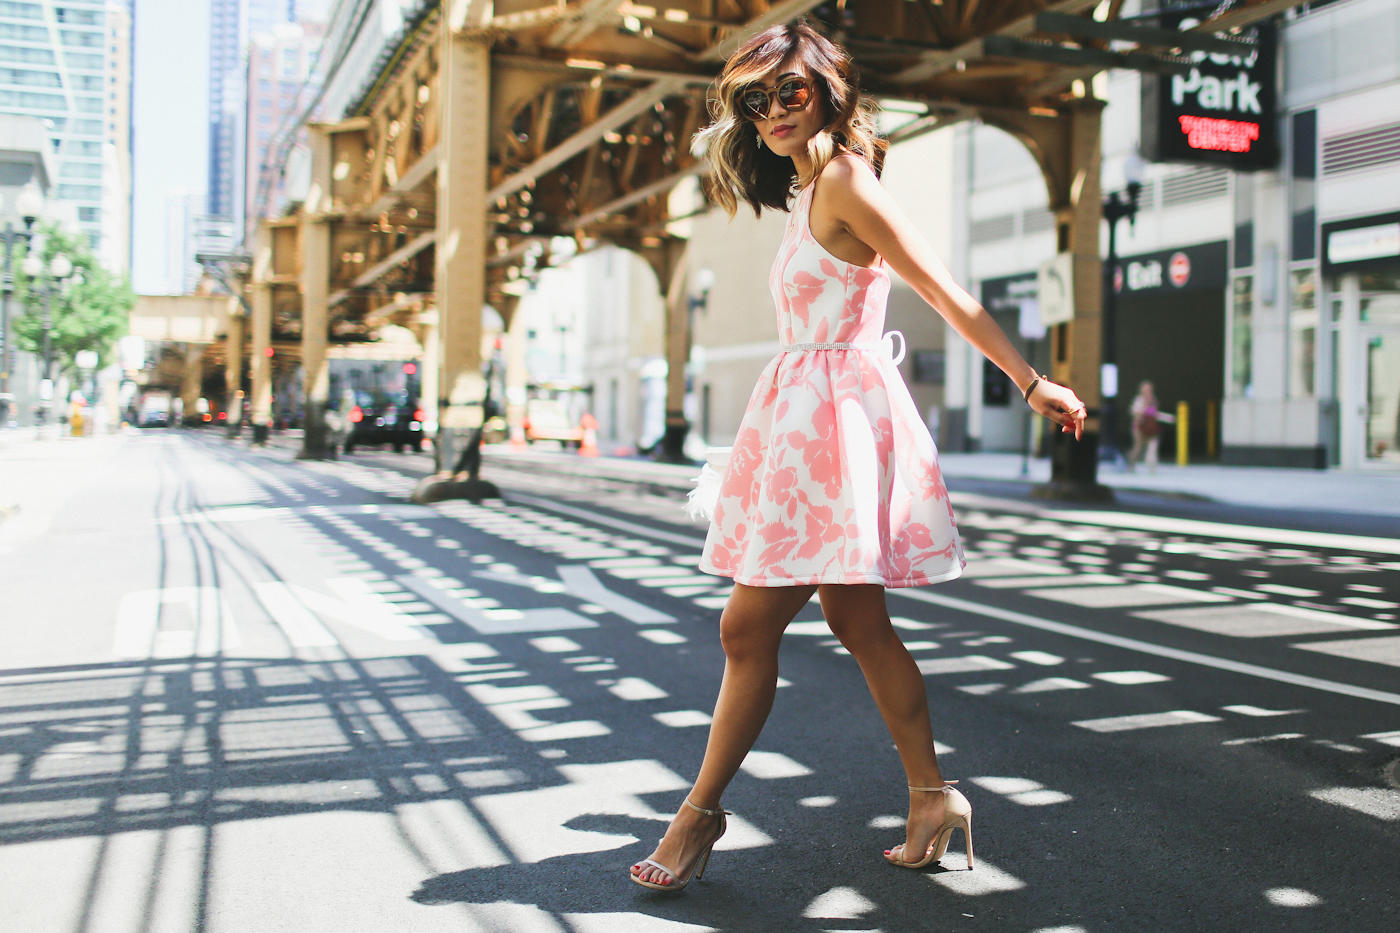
<point>1067,149</point>
<point>499,366</point>
<point>668,261</point>
<point>233,371</point>
<point>261,324</point>
<point>429,369</point>
<point>192,382</point>
<point>315,296</point>
<point>465,98</point>
<point>517,377</point>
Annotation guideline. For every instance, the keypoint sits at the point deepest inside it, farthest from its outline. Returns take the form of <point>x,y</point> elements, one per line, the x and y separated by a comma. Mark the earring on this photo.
<point>758,139</point>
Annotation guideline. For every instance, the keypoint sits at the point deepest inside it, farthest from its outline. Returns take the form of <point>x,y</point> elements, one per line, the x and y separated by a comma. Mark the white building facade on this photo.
<point>1267,301</point>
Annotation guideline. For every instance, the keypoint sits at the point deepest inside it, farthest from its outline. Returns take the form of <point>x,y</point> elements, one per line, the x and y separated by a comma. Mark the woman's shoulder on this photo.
<point>847,168</point>
<point>847,178</point>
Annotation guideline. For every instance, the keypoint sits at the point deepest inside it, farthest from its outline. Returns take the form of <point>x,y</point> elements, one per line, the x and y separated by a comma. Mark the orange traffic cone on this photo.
<point>588,447</point>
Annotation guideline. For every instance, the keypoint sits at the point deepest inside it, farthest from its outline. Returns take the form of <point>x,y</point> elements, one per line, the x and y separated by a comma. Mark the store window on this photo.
<point>1242,336</point>
<point>1302,333</point>
<point>1380,299</point>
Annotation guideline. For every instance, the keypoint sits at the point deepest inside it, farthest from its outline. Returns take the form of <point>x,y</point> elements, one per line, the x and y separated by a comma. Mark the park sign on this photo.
<point>1220,109</point>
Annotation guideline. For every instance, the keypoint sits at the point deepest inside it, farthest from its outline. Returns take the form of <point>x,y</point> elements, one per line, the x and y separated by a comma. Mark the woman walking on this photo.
<point>833,485</point>
<point>1147,426</point>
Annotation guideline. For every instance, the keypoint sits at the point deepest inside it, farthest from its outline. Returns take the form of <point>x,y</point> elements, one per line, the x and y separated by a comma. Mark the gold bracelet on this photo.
<point>1031,388</point>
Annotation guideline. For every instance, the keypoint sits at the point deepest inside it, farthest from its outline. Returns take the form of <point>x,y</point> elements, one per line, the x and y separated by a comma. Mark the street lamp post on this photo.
<point>58,269</point>
<point>1117,206</point>
<point>28,204</point>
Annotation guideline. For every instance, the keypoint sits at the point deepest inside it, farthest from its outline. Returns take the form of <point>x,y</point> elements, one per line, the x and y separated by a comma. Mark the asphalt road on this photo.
<point>240,692</point>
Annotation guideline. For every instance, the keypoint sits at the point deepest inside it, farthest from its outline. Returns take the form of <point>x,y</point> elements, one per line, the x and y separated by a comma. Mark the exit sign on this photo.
<point>1220,110</point>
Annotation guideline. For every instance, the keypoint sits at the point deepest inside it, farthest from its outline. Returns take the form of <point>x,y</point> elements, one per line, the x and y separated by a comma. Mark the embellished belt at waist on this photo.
<point>886,346</point>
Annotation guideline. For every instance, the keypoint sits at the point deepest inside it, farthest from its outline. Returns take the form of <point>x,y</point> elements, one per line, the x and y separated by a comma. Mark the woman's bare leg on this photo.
<point>750,629</point>
<point>858,617</point>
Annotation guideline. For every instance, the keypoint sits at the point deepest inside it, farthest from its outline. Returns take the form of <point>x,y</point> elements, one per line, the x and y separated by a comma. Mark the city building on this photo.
<point>26,161</point>
<point>115,251</point>
<point>594,336</point>
<point>1259,282</point>
<point>278,81</point>
<point>68,64</point>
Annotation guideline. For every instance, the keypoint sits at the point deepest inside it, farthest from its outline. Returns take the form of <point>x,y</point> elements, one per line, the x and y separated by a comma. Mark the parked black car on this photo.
<point>385,418</point>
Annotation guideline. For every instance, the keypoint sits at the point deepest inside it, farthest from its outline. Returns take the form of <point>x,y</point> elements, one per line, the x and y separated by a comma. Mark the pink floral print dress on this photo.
<point>833,477</point>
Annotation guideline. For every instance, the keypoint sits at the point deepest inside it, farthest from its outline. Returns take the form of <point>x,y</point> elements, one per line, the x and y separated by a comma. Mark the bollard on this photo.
<point>1183,432</point>
<point>1212,423</point>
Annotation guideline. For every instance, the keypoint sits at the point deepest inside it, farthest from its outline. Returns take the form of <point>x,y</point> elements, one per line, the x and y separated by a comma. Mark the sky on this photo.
<point>170,120</point>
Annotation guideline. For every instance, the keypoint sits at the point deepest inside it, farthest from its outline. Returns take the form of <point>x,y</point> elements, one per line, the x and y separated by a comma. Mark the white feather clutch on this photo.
<point>700,501</point>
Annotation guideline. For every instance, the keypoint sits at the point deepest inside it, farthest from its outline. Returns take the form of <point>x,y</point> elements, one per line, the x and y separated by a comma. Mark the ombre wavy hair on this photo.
<point>743,170</point>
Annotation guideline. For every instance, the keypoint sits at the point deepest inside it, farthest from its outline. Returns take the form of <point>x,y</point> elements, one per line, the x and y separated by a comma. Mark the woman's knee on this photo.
<point>862,634</point>
<point>857,618</point>
<point>751,626</point>
<point>745,637</point>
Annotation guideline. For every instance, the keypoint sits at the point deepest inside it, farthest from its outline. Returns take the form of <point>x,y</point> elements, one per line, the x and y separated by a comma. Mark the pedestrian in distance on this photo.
<point>1147,427</point>
<point>832,487</point>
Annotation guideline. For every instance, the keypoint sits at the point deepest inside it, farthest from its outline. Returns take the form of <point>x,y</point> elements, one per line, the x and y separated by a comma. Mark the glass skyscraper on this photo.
<point>231,24</point>
<point>58,63</point>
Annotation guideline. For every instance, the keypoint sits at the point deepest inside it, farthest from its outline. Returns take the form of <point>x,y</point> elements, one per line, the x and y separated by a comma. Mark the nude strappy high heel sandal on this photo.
<point>957,814</point>
<point>697,867</point>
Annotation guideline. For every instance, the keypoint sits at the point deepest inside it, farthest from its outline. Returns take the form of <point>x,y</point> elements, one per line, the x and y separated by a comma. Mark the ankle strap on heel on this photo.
<point>719,812</point>
<point>946,785</point>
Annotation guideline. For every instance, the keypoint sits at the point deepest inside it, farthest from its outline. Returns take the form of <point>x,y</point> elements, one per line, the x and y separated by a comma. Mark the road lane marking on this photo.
<point>1108,519</point>
<point>1125,595</point>
<point>144,626</point>
<point>490,621</point>
<point>1124,521</point>
<point>1161,651</point>
<point>583,584</point>
<point>1255,620</point>
<point>1041,581</point>
<point>593,518</point>
<point>1176,717</point>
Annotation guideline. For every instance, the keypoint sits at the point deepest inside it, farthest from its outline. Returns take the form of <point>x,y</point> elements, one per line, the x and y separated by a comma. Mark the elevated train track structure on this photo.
<point>491,129</point>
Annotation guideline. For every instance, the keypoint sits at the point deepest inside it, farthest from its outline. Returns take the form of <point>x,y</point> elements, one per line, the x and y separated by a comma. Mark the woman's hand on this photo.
<point>1060,405</point>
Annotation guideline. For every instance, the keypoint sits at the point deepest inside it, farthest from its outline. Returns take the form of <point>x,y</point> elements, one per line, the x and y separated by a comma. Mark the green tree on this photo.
<point>88,311</point>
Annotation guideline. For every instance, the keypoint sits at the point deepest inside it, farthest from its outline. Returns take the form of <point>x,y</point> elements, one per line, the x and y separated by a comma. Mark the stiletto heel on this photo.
<point>957,814</point>
<point>697,865</point>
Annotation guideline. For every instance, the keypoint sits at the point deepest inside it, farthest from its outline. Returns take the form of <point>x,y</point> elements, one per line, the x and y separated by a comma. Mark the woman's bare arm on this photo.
<point>869,213</point>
